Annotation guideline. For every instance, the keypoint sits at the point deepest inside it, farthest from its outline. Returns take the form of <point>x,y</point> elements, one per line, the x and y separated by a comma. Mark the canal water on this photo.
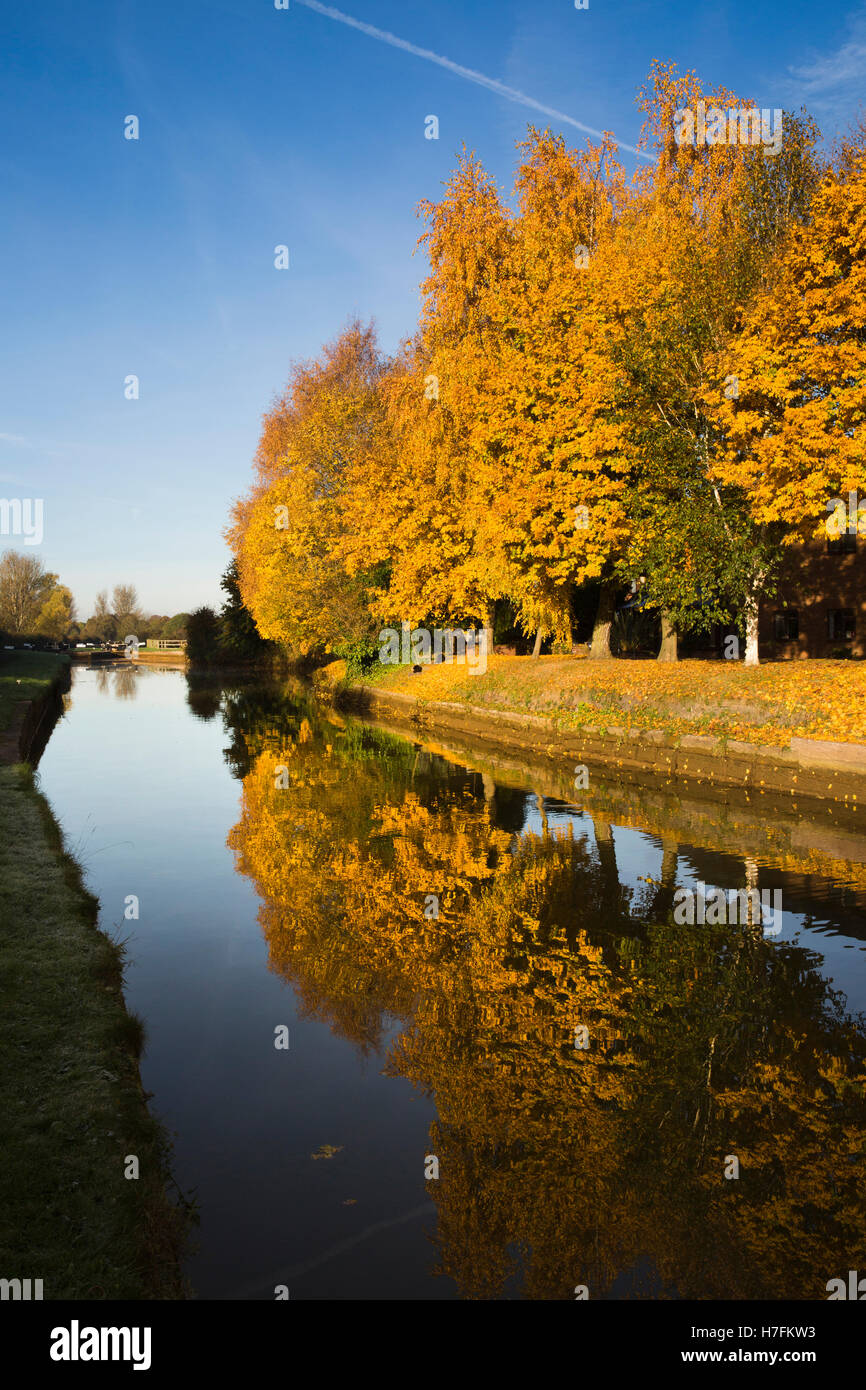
<point>426,1023</point>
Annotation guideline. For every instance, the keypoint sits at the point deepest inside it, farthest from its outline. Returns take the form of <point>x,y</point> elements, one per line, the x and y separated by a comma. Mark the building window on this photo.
<point>843,544</point>
<point>786,625</point>
<point>840,624</point>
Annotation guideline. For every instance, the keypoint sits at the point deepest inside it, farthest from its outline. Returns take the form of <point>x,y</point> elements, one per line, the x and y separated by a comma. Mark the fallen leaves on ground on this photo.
<point>767,704</point>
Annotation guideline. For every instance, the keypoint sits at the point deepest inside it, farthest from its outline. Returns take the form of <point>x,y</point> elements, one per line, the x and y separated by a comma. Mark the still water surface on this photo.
<point>432,928</point>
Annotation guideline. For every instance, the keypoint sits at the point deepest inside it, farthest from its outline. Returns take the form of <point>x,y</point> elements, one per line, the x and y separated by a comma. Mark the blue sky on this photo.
<point>261,127</point>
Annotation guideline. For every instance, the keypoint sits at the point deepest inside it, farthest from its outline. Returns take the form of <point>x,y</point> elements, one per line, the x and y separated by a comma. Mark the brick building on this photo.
<point>819,609</point>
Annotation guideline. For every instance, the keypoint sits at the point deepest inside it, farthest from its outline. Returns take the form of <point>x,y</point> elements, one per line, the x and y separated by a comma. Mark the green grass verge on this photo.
<point>26,676</point>
<point>70,1093</point>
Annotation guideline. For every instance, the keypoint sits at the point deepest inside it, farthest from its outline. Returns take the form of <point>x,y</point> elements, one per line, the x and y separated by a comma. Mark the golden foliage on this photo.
<point>558,1164</point>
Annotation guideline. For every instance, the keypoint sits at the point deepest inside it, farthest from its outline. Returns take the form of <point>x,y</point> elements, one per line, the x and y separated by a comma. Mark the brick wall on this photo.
<point>814,583</point>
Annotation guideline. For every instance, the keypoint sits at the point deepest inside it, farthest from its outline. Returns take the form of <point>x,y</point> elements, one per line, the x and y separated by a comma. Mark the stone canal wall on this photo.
<point>809,769</point>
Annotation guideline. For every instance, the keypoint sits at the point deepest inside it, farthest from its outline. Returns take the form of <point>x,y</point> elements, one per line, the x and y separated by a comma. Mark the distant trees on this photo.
<point>127,614</point>
<point>24,586</point>
<point>163,625</point>
<point>32,602</point>
<point>202,633</point>
<point>154,626</point>
<point>56,615</point>
<point>101,626</point>
<point>174,627</point>
<point>115,619</point>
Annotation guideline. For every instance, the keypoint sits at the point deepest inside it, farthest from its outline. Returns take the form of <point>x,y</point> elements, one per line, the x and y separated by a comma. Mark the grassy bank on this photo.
<point>767,704</point>
<point>25,676</point>
<point>70,1093</point>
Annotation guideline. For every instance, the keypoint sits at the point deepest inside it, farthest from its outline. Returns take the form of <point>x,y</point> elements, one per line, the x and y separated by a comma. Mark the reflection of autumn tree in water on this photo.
<point>348,875</point>
<point>560,1165</point>
<point>588,1163</point>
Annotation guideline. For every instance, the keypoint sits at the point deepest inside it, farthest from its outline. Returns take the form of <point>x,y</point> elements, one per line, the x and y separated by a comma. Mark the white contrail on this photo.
<point>510,93</point>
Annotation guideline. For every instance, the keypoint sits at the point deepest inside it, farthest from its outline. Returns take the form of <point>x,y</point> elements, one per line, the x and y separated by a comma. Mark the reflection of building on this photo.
<point>819,608</point>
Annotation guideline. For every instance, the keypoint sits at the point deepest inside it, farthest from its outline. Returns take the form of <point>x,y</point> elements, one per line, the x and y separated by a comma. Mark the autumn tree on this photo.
<point>493,447</point>
<point>691,251</point>
<point>468,235</point>
<point>570,410</point>
<point>546,433</point>
<point>25,585</point>
<point>56,614</point>
<point>794,437</point>
<point>286,533</point>
<point>430,528</point>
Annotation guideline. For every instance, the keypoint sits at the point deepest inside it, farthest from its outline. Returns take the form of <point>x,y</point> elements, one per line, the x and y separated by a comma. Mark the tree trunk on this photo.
<point>752,657</point>
<point>538,638</point>
<point>752,608</point>
<point>670,860</point>
<point>600,649</point>
<point>668,651</point>
<point>754,926</point>
<point>490,625</point>
<point>751,614</point>
<point>663,898</point>
<point>570,596</point>
<point>611,895</point>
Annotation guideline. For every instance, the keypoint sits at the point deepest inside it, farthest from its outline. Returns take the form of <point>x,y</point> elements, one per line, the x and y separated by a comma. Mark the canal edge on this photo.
<point>152,1231</point>
<point>809,770</point>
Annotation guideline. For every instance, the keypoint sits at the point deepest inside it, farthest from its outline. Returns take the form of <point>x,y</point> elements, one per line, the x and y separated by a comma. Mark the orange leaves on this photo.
<point>700,1043</point>
<point>287,532</point>
<point>796,435</point>
<point>767,705</point>
<point>608,380</point>
<point>540,434</point>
